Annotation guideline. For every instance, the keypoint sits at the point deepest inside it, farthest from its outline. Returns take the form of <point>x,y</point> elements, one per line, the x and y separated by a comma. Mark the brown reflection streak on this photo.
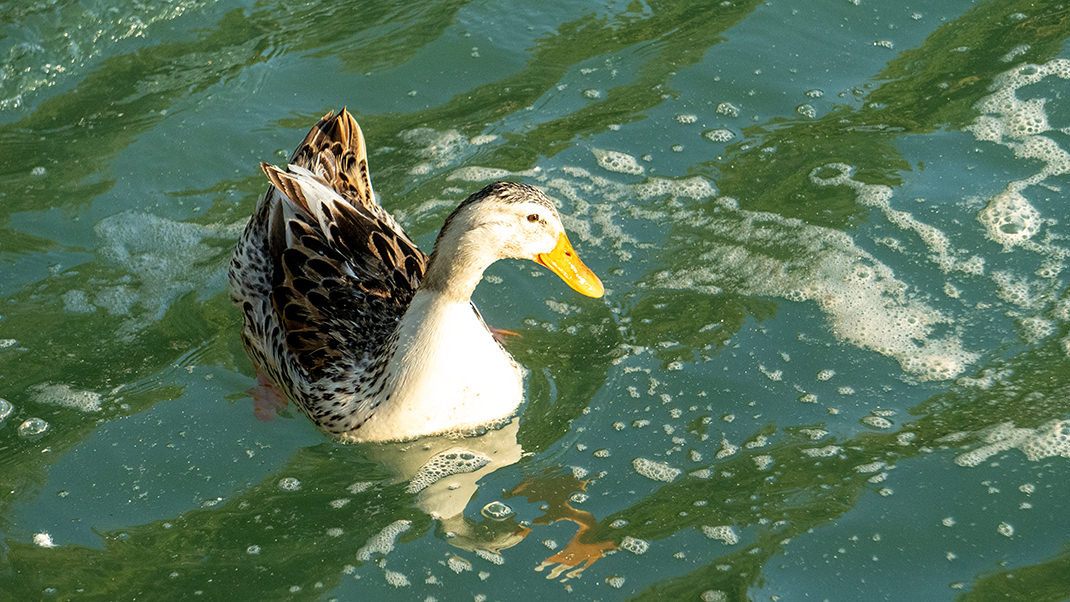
<point>579,553</point>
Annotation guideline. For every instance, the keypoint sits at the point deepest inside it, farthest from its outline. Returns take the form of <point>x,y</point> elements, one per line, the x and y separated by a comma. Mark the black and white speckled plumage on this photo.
<point>320,304</point>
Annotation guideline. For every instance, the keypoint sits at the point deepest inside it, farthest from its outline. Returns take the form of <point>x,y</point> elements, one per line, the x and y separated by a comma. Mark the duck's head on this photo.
<point>506,220</point>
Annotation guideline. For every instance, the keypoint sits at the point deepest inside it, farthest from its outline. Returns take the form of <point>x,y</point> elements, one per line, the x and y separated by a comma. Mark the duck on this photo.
<point>370,337</point>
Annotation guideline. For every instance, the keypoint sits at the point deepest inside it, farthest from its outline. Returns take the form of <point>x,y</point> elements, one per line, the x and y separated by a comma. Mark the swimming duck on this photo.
<point>370,337</point>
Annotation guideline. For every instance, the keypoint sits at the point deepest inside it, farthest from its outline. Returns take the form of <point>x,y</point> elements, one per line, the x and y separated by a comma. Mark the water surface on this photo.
<point>833,361</point>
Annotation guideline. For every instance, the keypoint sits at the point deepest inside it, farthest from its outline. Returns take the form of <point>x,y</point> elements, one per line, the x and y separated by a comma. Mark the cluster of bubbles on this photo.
<point>383,541</point>
<point>655,471</point>
<point>1051,439</point>
<point>617,162</point>
<point>450,462</point>
<point>723,533</point>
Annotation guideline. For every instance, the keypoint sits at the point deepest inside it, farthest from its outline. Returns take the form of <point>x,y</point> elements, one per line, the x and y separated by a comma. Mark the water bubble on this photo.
<point>634,545</point>
<point>723,533</point>
<point>450,462</point>
<point>289,484</point>
<point>719,135</point>
<point>497,511</point>
<point>1005,529</point>
<point>5,410</point>
<point>617,161</point>
<point>728,109</point>
<point>33,427</point>
<point>657,471</point>
<point>806,110</point>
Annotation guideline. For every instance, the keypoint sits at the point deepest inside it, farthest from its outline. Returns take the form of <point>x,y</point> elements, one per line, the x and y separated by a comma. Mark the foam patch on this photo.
<point>450,462</point>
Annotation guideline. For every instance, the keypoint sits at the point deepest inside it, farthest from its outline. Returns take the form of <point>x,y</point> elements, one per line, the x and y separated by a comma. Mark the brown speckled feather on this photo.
<point>343,272</point>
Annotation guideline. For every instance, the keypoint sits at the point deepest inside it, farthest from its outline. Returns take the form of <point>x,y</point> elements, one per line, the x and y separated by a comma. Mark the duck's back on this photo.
<point>322,273</point>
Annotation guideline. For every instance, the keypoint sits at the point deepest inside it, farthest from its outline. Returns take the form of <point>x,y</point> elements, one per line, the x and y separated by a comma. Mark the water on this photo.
<point>833,361</point>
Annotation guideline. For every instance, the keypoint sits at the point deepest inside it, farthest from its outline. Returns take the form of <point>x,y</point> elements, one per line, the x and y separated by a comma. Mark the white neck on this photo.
<point>462,252</point>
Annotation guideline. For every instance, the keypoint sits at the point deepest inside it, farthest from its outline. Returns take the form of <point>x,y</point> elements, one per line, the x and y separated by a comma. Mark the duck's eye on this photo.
<point>534,217</point>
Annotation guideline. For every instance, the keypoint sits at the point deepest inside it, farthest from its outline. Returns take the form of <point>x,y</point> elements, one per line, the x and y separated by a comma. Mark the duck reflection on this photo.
<point>443,473</point>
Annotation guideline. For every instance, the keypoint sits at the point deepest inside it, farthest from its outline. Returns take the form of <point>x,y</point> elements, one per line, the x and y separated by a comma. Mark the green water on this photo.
<point>837,323</point>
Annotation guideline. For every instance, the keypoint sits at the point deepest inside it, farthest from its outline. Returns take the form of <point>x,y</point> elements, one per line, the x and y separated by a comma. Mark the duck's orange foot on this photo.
<point>576,557</point>
<point>267,398</point>
<point>580,552</point>
<point>500,334</point>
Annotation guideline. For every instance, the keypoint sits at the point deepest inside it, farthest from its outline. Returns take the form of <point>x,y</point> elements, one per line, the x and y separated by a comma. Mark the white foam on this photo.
<point>360,486</point>
<point>43,540</point>
<point>1009,218</point>
<point>1015,290</point>
<point>164,259</point>
<point>476,173</point>
<point>1035,328</point>
<point>634,545</point>
<point>491,557</point>
<point>383,542</point>
<point>874,195</point>
<point>870,467</point>
<point>727,109</point>
<point>723,533</point>
<point>289,484</point>
<point>1005,529</point>
<point>438,147</point>
<point>458,565</point>
<point>763,462</point>
<point>727,449</point>
<point>1052,439</point>
<point>617,161</point>
<point>752,253</point>
<point>455,460</point>
<point>395,578</point>
<point>64,395</point>
<point>77,302</point>
<point>483,139</point>
<point>828,451</point>
<point>75,39</point>
<point>867,305</point>
<point>656,471</point>
<point>877,422</point>
<point>1015,52</point>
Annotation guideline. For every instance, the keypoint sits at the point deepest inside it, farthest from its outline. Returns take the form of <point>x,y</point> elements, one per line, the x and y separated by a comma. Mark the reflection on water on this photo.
<point>832,353</point>
<point>443,473</point>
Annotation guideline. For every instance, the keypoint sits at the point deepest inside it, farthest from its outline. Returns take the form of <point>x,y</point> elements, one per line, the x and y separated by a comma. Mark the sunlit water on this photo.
<point>833,361</point>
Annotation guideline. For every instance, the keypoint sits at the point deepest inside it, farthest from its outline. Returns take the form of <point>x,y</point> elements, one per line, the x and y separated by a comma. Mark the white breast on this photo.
<point>447,374</point>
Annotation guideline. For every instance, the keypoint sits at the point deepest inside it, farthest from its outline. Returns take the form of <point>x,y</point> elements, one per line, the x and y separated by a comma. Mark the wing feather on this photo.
<point>344,271</point>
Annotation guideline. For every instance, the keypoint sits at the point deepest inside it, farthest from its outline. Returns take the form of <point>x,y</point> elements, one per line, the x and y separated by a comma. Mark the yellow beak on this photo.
<point>562,260</point>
